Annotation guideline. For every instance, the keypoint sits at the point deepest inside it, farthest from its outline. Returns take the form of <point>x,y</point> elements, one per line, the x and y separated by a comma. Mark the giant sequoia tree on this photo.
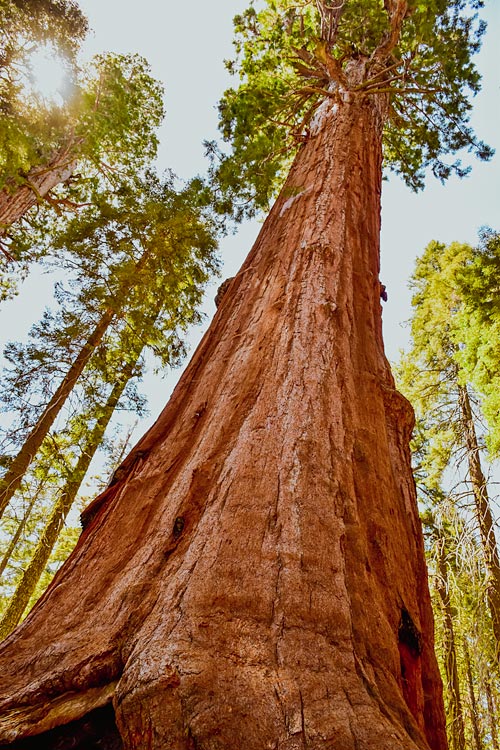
<point>254,577</point>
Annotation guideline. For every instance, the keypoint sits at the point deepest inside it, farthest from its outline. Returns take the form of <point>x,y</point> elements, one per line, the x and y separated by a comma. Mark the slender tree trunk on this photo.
<point>476,732</point>
<point>53,527</point>
<point>255,578</point>
<point>454,712</point>
<point>11,480</point>
<point>483,514</point>
<point>492,715</point>
<point>16,200</point>
<point>19,530</point>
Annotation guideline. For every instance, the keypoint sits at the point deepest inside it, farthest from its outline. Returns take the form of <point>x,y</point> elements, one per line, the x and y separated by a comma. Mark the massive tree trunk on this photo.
<point>255,577</point>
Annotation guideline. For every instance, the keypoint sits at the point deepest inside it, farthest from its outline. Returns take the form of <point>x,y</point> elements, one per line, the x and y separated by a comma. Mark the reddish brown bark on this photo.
<point>251,578</point>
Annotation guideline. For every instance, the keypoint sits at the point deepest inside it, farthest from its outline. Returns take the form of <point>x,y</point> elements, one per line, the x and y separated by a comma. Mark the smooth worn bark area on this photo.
<point>255,577</point>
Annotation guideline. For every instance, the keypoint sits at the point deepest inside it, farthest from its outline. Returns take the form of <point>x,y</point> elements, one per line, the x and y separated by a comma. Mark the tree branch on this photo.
<point>397,11</point>
<point>330,12</point>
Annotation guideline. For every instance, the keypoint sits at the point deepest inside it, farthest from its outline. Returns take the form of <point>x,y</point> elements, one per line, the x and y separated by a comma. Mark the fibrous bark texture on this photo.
<point>255,576</point>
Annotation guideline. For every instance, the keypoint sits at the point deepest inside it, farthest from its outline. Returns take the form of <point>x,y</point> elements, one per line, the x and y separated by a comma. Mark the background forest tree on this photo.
<point>135,252</point>
<point>443,374</point>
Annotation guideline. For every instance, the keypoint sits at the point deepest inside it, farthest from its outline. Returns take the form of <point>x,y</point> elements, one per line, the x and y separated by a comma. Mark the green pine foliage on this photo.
<point>455,329</point>
<point>64,547</point>
<point>291,57</point>
<point>479,330</point>
<point>434,376</point>
<point>30,129</point>
<point>428,374</point>
<point>111,107</point>
<point>118,110</point>
<point>460,576</point>
<point>30,510</point>
<point>107,123</point>
<point>144,251</point>
<point>101,132</point>
<point>72,448</point>
<point>129,248</point>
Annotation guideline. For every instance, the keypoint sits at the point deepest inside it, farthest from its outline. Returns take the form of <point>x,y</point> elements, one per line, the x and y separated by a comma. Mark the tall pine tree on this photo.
<point>130,249</point>
<point>434,382</point>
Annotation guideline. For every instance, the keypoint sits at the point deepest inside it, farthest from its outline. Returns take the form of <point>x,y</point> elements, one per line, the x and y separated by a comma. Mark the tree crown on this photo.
<point>27,125</point>
<point>292,56</point>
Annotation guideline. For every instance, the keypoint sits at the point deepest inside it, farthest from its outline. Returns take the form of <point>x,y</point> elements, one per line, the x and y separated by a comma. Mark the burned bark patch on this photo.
<point>221,291</point>
<point>178,527</point>
<point>190,511</point>
<point>409,635</point>
<point>95,731</point>
<point>410,650</point>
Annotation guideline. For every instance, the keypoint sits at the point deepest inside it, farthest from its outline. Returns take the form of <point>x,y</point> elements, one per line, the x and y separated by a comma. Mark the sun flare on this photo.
<point>48,78</point>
